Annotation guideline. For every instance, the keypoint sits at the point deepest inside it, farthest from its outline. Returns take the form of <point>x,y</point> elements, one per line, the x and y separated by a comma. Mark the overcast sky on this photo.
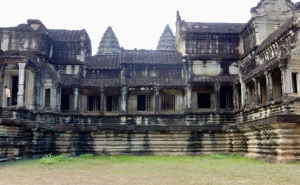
<point>136,23</point>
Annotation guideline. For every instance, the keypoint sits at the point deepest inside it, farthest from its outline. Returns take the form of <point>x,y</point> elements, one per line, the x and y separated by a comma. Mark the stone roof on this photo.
<point>212,79</point>
<point>258,71</point>
<point>67,80</point>
<point>74,36</point>
<point>97,82</point>
<point>103,62</point>
<point>150,81</point>
<point>167,40</point>
<point>201,27</point>
<point>109,43</point>
<point>152,57</point>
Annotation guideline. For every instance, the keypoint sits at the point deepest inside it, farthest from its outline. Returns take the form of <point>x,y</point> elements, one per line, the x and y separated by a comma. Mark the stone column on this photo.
<point>124,94</point>
<point>256,91</point>
<point>102,94</point>
<point>217,96</point>
<point>284,80</point>
<point>53,98</point>
<point>188,96</point>
<point>76,99</point>
<point>269,82</point>
<point>21,88</point>
<point>243,95</point>
<point>58,98</point>
<point>156,99</point>
<point>247,96</point>
<point>235,97</point>
<point>189,70</point>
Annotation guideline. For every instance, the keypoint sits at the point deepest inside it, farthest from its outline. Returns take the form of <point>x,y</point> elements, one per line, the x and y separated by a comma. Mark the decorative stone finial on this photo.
<point>109,44</point>
<point>178,16</point>
<point>167,40</point>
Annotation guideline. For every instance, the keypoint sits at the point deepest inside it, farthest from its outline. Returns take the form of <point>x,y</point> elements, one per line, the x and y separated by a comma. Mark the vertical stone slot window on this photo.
<point>204,100</point>
<point>112,103</point>
<point>15,87</point>
<point>277,85</point>
<point>251,94</point>
<point>226,99</point>
<point>65,102</point>
<point>47,97</point>
<point>263,89</point>
<point>143,102</point>
<point>168,102</point>
<point>93,103</point>
<point>294,81</point>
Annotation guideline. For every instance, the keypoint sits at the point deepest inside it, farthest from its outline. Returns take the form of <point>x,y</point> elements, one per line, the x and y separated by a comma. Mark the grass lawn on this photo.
<point>209,169</point>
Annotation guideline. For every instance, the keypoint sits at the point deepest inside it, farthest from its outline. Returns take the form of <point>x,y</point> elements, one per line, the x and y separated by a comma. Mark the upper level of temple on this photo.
<point>204,67</point>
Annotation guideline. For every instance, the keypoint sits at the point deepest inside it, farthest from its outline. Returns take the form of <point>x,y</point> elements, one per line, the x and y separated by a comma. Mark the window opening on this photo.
<point>65,102</point>
<point>226,100</point>
<point>263,89</point>
<point>47,97</point>
<point>203,100</point>
<point>93,103</point>
<point>112,103</point>
<point>168,102</point>
<point>143,102</point>
<point>15,87</point>
<point>294,80</point>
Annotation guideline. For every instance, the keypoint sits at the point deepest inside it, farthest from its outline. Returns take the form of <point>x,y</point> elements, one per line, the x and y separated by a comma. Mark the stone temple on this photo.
<point>208,88</point>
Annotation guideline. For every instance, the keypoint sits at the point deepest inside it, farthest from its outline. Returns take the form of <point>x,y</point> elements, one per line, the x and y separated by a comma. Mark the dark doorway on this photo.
<point>203,100</point>
<point>15,86</point>
<point>47,97</point>
<point>141,105</point>
<point>294,80</point>
<point>65,102</point>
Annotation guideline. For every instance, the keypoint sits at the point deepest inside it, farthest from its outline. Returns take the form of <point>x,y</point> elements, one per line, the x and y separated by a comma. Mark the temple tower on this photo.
<point>167,40</point>
<point>109,44</point>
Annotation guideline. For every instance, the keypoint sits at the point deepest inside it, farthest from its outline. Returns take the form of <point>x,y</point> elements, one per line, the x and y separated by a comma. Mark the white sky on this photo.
<point>136,23</point>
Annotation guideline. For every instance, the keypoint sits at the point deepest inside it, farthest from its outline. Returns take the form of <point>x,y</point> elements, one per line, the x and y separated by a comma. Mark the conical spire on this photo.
<point>109,44</point>
<point>167,40</point>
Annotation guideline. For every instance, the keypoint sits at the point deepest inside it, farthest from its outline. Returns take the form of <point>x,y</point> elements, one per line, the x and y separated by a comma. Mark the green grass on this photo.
<point>206,169</point>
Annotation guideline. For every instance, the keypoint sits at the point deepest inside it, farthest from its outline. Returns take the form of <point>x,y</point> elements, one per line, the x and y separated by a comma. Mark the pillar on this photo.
<point>243,95</point>
<point>102,94</point>
<point>257,92</point>
<point>21,84</point>
<point>58,98</point>
<point>284,80</point>
<point>76,99</point>
<point>156,99</point>
<point>124,94</point>
<point>188,96</point>
<point>217,95</point>
<point>235,97</point>
<point>53,98</point>
<point>189,70</point>
<point>269,82</point>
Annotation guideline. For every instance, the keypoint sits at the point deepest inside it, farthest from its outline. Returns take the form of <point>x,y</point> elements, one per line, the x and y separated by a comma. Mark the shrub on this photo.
<point>86,156</point>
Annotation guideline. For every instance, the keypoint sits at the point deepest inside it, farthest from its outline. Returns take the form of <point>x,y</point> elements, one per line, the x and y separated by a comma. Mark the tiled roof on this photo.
<point>103,62</point>
<point>171,82</point>
<point>152,57</point>
<point>207,78</point>
<point>201,27</point>
<point>97,82</point>
<point>276,34</point>
<point>68,80</point>
<point>259,71</point>
<point>59,35</point>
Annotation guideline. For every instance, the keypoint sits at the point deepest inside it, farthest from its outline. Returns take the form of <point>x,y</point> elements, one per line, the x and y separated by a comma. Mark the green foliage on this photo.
<point>51,159</point>
<point>86,156</point>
